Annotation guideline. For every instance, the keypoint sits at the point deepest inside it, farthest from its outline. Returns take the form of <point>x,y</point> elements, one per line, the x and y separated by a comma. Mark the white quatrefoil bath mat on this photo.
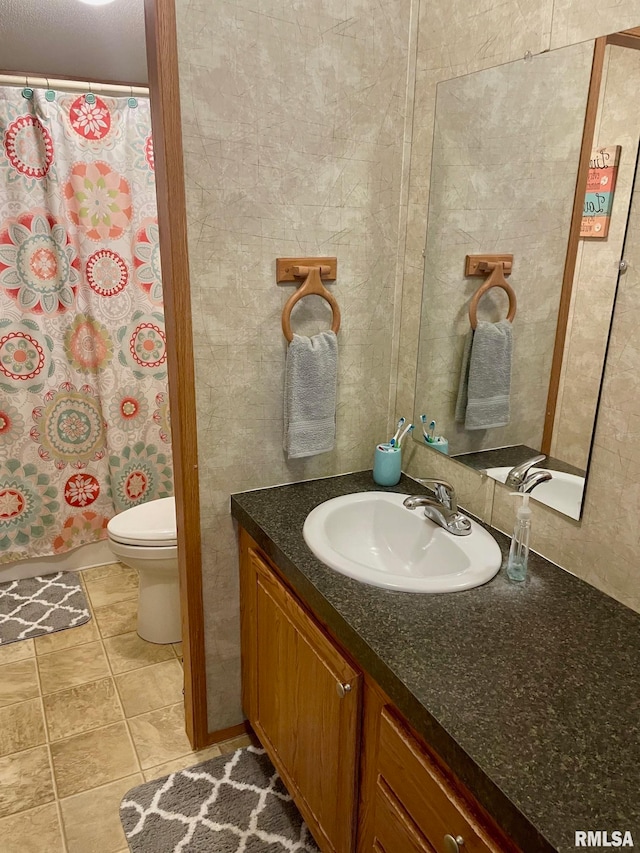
<point>230,804</point>
<point>43,605</point>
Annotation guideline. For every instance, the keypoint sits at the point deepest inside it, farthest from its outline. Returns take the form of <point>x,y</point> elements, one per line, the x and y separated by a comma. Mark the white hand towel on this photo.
<point>311,375</point>
<point>485,382</point>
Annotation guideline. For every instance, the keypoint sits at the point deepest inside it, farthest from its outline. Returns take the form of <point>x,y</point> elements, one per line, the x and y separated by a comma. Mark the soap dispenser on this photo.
<point>519,550</point>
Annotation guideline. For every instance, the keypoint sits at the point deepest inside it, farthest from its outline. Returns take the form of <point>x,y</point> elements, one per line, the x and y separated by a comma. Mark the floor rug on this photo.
<point>230,804</point>
<point>42,605</point>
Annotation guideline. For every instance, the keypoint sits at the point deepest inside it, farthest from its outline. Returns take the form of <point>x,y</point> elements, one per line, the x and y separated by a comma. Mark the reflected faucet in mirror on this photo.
<point>522,479</point>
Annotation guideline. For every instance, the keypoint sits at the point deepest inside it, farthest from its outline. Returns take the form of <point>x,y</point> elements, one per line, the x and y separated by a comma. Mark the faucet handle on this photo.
<point>444,491</point>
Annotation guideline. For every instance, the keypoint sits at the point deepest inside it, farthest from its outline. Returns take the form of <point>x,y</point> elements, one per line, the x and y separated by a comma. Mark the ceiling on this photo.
<point>67,39</point>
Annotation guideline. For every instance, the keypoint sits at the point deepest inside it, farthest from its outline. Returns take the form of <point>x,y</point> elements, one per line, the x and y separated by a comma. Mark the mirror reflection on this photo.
<point>530,192</point>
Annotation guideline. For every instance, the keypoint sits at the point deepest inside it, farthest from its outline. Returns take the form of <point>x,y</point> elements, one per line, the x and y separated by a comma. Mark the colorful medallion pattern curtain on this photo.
<point>84,418</point>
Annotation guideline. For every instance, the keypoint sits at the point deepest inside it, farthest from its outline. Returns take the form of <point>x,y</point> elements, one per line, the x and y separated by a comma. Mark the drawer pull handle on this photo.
<point>343,689</point>
<point>453,845</point>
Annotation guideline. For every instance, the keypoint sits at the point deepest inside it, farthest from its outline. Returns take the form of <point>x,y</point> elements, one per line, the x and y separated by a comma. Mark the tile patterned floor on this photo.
<point>85,715</point>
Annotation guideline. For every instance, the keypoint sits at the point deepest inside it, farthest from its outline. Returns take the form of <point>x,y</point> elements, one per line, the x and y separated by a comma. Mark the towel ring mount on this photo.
<point>497,266</point>
<point>312,270</point>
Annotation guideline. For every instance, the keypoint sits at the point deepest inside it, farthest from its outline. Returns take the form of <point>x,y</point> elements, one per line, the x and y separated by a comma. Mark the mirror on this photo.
<point>509,144</point>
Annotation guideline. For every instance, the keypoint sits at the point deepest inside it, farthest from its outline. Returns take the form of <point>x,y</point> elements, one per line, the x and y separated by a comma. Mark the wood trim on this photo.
<point>627,38</point>
<point>162,58</point>
<point>248,625</point>
<point>232,731</point>
<point>574,238</point>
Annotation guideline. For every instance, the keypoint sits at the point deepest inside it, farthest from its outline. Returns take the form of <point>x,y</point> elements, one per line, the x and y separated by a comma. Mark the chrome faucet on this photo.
<point>521,480</point>
<point>518,474</point>
<point>443,508</point>
<point>534,479</point>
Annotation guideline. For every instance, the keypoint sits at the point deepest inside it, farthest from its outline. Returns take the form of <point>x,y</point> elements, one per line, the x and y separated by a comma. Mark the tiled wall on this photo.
<point>500,184</point>
<point>604,548</point>
<point>295,142</point>
<point>596,273</point>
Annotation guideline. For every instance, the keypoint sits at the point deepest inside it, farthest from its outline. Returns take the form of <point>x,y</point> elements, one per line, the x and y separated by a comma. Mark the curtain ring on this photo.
<point>90,98</point>
<point>27,92</point>
<point>133,102</point>
<point>50,95</point>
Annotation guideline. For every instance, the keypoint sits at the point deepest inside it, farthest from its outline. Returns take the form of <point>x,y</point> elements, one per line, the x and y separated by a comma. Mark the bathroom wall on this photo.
<point>295,142</point>
<point>596,274</point>
<point>604,548</point>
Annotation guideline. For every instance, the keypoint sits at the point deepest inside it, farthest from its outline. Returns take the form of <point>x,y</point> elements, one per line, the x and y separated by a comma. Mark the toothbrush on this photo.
<point>397,433</point>
<point>404,432</point>
<point>428,436</point>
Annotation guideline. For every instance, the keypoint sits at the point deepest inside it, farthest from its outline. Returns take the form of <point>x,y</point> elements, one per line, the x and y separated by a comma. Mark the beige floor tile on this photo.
<point>118,618</point>
<point>181,763</point>
<point>34,831</point>
<point>92,819</point>
<point>18,682</point>
<point>129,651</point>
<point>81,708</point>
<point>16,651</point>
<point>25,781</point>
<point>177,648</point>
<point>91,759</point>
<point>149,688</point>
<point>109,584</point>
<point>48,643</point>
<point>69,667</point>
<point>98,572</point>
<point>159,736</point>
<point>21,726</point>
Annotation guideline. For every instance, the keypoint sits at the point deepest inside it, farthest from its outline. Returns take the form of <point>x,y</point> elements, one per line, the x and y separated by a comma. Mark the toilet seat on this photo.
<point>151,525</point>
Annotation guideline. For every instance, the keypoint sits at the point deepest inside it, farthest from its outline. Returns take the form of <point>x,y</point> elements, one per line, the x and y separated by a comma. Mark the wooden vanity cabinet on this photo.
<point>303,698</point>
<point>409,801</point>
<point>363,781</point>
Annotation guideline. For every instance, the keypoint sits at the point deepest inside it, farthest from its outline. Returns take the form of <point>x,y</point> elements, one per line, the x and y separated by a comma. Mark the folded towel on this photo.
<point>310,395</point>
<point>485,378</point>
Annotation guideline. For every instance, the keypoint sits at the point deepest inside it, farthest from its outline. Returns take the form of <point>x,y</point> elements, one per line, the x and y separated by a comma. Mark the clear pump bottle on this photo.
<point>519,550</point>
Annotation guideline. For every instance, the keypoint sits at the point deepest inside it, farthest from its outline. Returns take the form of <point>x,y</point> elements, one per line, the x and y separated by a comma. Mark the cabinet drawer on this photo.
<point>393,832</point>
<point>429,797</point>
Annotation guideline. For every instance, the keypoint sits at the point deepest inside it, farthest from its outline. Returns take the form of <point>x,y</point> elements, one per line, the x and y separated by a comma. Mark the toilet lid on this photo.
<point>152,523</point>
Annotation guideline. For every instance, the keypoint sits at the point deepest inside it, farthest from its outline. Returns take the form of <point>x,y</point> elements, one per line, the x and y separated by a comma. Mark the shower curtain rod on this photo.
<point>37,82</point>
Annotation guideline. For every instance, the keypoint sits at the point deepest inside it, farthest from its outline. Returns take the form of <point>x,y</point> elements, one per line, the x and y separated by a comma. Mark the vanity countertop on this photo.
<point>530,693</point>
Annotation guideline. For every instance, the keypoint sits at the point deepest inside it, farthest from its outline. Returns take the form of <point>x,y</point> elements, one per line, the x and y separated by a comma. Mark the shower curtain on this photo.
<point>84,417</point>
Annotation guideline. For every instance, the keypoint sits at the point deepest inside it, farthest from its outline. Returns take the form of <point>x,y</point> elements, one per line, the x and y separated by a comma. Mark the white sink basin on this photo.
<point>562,492</point>
<point>371,537</point>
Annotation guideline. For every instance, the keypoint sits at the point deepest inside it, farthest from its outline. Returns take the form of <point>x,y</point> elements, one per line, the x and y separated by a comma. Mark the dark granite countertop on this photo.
<point>501,457</point>
<point>530,693</point>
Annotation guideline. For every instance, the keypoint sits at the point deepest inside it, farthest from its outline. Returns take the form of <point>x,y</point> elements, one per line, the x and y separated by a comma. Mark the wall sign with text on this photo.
<point>601,184</point>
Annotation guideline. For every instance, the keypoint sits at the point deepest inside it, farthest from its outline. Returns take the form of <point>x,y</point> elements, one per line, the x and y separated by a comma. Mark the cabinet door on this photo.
<point>306,708</point>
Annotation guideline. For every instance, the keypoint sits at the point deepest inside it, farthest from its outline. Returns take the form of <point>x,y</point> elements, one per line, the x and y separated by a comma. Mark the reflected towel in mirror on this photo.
<point>310,395</point>
<point>485,378</point>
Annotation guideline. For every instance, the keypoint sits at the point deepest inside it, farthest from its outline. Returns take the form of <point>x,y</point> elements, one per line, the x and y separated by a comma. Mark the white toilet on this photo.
<point>145,538</point>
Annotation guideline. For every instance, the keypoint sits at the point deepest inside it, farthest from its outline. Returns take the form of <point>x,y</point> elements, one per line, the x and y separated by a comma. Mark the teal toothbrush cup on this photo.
<point>387,465</point>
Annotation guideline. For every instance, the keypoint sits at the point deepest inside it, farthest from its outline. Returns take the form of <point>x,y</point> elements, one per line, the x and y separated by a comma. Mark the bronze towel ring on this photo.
<point>312,285</point>
<point>496,279</point>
